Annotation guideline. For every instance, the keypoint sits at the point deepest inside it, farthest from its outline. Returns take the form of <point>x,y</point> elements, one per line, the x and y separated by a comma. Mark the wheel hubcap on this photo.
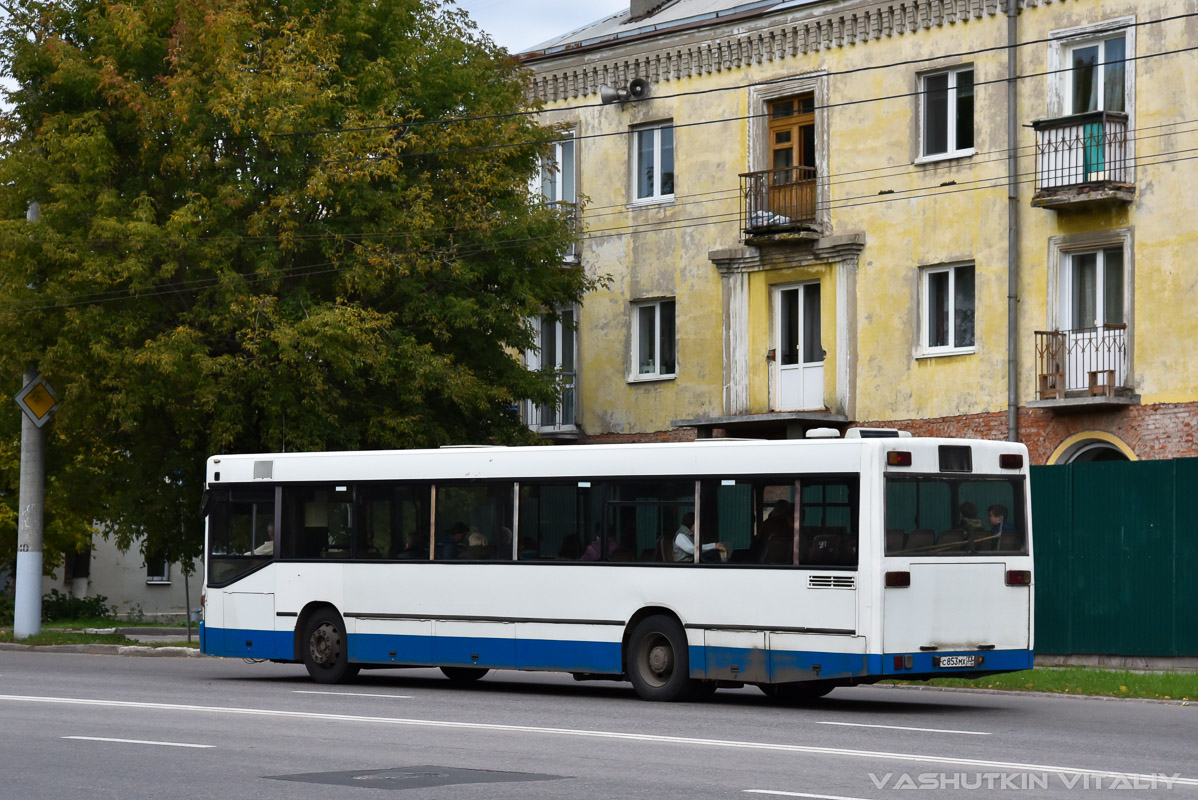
<point>325,645</point>
<point>658,660</point>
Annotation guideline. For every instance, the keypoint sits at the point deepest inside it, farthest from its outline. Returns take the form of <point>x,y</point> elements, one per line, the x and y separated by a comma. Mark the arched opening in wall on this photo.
<point>1088,451</point>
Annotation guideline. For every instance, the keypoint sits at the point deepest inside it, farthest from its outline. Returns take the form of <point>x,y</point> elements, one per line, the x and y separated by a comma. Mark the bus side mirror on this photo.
<point>205,503</point>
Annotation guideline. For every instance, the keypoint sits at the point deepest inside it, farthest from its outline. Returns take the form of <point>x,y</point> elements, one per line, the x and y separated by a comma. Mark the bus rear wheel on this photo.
<point>658,660</point>
<point>464,674</point>
<point>326,648</point>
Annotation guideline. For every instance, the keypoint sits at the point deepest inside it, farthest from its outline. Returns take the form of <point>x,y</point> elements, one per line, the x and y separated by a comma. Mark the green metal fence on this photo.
<point>1116,551</point>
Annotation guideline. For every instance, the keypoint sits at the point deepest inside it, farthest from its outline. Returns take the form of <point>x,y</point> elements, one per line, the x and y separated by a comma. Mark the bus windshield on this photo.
<point>935,515</point>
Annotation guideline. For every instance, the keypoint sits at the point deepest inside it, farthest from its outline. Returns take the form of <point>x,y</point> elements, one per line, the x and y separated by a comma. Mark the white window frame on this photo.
<point>533,360</point>
<point>559,198</point>
<point>1061,251</point>
<point>658,196</point>
<point>635,374</point>
<point>1101,42</point>
<point>1060,72</point>
<point>924,350</point>
<point>950,116</point>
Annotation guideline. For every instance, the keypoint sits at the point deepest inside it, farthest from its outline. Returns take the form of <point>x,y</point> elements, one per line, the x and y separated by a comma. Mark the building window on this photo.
<point>558,180</point>
<point>158,570</point>
<point>555,353</point>
<point>653,161</point>
<point>947,113</point>
<point>948,309</point>
<point>1096,76</point>
<point>1092,289</point>
<point>653,339</point>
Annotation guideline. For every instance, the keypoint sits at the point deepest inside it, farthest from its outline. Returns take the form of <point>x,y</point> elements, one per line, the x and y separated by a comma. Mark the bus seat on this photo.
<point>894,539</point>
<point>952,541</point>
<point>1011,542</point>
<point>921,539</point>
<point>778,550</point>
<point>825,549</point>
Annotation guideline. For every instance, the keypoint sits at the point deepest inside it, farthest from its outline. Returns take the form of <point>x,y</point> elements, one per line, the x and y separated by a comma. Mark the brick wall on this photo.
<point>1152,432</point>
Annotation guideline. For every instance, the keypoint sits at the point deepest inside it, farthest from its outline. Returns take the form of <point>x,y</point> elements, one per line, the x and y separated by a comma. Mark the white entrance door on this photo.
<point>798,348</point>
<point>1093,316</point>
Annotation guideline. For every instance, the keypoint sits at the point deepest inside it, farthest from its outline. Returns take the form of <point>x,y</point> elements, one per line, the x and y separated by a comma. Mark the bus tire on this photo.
<point>326,648</point>
<point>796,693</point>
<point>464,674</point>
<point>659,660</point>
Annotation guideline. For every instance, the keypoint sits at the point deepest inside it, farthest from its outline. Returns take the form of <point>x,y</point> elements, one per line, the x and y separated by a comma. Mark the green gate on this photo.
<point>1116,556</point>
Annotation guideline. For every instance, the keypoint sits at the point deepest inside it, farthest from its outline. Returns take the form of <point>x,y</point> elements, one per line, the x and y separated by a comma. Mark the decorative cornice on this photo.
<point>686,54</point>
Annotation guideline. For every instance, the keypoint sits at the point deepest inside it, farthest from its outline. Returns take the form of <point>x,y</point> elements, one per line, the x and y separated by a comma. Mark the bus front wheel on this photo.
<point>658,660</point>
<point>326,649</point>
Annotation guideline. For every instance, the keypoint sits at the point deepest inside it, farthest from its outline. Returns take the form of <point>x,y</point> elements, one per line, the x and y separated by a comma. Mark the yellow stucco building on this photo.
<point>948,216</point>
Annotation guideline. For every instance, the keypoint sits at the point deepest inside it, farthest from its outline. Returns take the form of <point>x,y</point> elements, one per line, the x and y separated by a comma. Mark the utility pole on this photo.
<point>37,402</point>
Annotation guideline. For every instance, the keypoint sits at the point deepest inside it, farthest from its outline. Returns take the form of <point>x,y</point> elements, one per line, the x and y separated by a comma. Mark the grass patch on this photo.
<point>1080,680</point>
<point>64,637</point>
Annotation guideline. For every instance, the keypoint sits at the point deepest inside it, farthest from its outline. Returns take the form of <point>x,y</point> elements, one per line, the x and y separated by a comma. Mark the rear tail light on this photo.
<point>897,580</point>
<point>1019,577</point>
<point>1010,460</point>
<point>898,458</point>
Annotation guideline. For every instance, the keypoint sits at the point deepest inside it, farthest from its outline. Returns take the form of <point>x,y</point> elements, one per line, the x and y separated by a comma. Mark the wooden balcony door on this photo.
<point>792,157</point>
<point>798,348</point>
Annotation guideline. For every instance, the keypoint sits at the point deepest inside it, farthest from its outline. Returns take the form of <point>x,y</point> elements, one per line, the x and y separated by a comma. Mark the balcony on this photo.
<point>1082,161</point>
<point>1082,368</point>
<point>779,203</point>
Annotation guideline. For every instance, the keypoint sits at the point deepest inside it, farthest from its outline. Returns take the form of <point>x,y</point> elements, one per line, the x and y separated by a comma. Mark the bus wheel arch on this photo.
<point>656,655</point>
<point>324,645</point>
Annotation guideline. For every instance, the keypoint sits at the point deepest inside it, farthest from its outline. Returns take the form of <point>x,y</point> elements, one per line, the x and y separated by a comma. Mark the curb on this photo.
<point>109,650</point>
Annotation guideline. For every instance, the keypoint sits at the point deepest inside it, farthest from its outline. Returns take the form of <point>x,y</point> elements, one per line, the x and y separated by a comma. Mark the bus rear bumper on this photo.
<point>947,664</point>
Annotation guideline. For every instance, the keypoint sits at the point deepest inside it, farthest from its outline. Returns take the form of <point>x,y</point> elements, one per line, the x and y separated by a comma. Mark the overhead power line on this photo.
<point>328,267</point>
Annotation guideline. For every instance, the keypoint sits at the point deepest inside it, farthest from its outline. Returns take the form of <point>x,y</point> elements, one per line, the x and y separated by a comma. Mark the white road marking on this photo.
<point>593,734</point>
<point>801,794</point>
<point>356,694</point>
<point>138,741</point>
<point>903,728</point>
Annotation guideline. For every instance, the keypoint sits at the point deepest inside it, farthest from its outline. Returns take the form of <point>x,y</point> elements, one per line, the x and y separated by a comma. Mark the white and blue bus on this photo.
<point>797,565</point>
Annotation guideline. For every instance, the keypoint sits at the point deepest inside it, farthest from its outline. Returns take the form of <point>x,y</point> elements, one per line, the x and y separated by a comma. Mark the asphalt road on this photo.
<point>84,726</point>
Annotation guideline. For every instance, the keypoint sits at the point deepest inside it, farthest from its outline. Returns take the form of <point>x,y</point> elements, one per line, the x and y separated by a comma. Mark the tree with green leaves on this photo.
<point>264,226</point>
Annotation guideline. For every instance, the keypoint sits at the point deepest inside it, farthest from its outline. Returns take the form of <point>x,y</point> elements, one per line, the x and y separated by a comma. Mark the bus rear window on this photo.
<point>940,516</point>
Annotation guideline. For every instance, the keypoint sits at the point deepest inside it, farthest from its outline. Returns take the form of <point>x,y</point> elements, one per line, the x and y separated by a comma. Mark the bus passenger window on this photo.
<point>474,521</point>
<point>395,522</point>
<point>553,519</point>
<point>645,520</point>
<point>318,521</point>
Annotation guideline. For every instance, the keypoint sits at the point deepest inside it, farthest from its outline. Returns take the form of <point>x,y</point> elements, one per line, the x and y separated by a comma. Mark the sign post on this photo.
<point>37,402</point>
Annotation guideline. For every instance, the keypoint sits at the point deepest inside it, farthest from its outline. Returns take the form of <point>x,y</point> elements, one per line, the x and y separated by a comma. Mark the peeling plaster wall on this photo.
<point>938,213</point>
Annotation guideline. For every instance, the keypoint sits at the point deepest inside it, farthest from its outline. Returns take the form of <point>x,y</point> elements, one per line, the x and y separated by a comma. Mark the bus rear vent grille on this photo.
<point>263,469</point>
<point>831,582</point>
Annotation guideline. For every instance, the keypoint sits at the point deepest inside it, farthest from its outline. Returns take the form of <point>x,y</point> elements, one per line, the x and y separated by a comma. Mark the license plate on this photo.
<point>956,661</point>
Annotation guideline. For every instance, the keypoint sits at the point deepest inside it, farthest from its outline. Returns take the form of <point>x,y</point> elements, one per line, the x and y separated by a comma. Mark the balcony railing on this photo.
<point>1092,361</point>
<point>1082,158</point>
<point>777,200</point>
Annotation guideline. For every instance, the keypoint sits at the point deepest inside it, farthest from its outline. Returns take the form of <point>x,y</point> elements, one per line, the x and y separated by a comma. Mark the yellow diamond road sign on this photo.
<point>38,401</point>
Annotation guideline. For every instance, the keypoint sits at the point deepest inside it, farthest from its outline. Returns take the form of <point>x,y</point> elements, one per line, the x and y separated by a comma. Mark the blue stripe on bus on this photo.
<point>596,657</point>
<point>248,643</point>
